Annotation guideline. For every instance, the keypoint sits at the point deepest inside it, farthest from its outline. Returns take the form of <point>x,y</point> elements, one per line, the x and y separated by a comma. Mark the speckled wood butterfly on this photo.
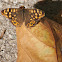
<point>19,15</point>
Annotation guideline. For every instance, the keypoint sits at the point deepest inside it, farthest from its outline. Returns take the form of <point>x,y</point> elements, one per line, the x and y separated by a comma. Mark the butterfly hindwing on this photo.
<point>14,14</point>
<point>32,16</point>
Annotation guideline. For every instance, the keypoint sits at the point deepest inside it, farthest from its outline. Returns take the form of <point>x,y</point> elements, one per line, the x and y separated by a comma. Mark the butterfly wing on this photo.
<point>32,16</point>
<point>14,14</point>
<point>18,15</point>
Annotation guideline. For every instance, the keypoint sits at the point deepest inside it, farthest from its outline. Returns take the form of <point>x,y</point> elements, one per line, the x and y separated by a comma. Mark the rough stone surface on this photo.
<point>8,44</point>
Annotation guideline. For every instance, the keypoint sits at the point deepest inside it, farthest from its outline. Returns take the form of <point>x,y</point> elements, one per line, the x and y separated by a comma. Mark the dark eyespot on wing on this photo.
<point>9,10</point>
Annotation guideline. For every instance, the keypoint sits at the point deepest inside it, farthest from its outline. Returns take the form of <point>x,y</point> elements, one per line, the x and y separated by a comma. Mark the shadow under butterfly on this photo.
<point>19,15</point>
<point>52,9</point>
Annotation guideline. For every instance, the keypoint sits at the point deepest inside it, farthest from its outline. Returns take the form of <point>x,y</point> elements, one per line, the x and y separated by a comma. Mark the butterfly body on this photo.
<point>19,15</point>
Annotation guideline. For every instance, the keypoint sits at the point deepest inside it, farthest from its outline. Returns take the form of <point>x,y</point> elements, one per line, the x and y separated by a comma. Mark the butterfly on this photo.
<point>19,15</point>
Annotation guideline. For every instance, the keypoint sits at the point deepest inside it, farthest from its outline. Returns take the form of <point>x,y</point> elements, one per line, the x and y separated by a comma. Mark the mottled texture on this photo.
<point>8,44</point>
<point>19,15</point>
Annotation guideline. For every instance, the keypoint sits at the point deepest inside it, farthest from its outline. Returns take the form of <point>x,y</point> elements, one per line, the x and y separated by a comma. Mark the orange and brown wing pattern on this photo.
<point>33,16</point>
<point>14,14</point>
<point>18,15</point>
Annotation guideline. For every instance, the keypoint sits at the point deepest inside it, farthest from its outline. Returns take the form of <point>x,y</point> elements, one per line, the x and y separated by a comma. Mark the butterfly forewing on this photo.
<point>32,16</point>
<point>14,14</point>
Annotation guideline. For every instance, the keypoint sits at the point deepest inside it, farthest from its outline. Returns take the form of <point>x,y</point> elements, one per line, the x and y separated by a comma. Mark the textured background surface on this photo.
<point>8,44</point>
